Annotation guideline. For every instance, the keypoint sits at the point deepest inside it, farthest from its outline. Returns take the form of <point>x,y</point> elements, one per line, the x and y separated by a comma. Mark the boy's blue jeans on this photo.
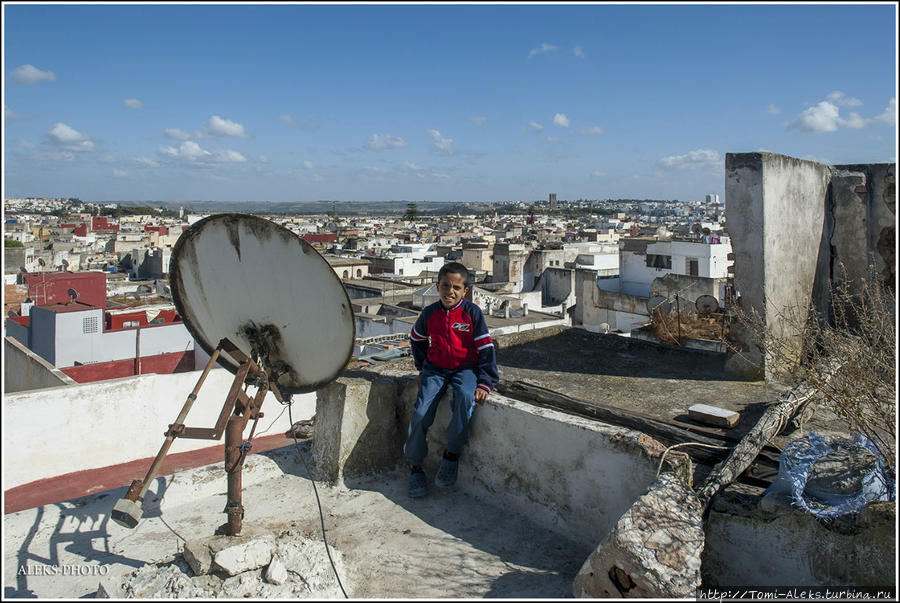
<point>432,386</point>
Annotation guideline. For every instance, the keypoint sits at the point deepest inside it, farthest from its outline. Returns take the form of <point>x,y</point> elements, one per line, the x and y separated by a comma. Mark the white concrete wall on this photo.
<point>51,432</point>
<point>23,370</point>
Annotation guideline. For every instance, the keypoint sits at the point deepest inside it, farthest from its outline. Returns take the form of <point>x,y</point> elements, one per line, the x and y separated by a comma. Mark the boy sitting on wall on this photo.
<point>460,354</point>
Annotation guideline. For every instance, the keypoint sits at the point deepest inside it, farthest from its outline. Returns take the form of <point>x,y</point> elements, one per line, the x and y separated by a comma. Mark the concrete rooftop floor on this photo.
<point>447,545</point>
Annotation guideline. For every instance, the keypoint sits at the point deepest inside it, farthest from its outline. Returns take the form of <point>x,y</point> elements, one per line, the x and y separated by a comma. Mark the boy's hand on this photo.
<point>481,395</point>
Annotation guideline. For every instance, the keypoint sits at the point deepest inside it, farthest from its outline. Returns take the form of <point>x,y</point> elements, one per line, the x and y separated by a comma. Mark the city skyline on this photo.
<point>456,102</point>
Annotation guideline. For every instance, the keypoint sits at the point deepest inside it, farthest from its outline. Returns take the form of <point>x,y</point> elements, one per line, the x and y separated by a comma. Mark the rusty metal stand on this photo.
<point>237,410</point>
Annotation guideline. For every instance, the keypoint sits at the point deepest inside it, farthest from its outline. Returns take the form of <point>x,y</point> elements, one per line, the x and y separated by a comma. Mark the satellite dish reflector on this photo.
<point>237,276</point>
<point>65,263</point>
<point>707,304</point>
<point>42,262</point>
<point>72,294</point>
<point>659,301</point>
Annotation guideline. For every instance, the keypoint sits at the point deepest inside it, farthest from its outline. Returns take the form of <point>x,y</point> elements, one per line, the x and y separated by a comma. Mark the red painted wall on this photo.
<point>81,231</point>
<point>163,364</point>
<point>160,230</point>
<point>118,321</point>
<point>45,288</point>
<point>320,238</point>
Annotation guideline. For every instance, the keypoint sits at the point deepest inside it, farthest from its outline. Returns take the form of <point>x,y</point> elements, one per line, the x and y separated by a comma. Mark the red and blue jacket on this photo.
<point>459,338</point>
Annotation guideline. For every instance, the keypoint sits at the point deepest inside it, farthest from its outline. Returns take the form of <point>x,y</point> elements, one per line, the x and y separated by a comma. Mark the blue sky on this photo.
<point>456,102</point>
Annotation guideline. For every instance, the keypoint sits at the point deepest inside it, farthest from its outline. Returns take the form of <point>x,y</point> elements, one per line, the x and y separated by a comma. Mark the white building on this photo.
<point>642,260</point>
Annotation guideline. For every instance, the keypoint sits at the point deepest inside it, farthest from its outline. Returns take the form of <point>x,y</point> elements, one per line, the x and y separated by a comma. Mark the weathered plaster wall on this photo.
<point>55,431</point>
<point>776,217</point>
<point>793,222</point>
<point>879,198</point>
<point>24,370</point>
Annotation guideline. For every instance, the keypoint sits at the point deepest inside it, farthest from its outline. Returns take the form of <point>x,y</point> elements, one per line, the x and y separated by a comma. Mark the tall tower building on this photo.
<point>552,200</point>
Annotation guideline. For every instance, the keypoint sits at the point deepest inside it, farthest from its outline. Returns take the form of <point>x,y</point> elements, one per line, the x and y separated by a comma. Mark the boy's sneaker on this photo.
<point>446,475</point>
<point>418,486</point>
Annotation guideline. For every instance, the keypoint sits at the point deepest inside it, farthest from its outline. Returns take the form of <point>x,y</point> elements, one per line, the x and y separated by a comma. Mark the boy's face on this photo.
<point>451,288</point>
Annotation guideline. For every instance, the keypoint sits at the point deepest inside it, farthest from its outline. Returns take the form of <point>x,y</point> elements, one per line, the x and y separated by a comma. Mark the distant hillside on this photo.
<point>343,208</point>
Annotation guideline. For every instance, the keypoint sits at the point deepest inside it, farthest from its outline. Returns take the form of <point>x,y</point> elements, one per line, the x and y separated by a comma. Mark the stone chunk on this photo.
<point>713,415</point>
<point>276,573</point>
<point>197,555</point>
<point>236,554</point>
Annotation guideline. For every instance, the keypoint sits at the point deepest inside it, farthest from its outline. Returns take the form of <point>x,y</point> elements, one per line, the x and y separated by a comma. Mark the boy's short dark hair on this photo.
<point>454,268</point>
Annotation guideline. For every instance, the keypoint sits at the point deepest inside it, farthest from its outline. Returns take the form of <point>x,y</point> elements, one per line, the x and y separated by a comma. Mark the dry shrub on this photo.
<point>693,326</point>
<point>861,337</point>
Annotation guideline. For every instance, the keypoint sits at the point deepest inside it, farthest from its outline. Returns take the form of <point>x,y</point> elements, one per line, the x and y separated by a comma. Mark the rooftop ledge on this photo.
<point>539,488</point>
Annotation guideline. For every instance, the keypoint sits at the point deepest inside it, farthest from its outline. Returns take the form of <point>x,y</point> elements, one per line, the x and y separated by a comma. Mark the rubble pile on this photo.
<point>254,565</point>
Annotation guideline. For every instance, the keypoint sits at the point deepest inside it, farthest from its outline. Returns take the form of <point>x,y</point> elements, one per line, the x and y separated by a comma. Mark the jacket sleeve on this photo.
<point>418,340</point>
<point>486,371</point>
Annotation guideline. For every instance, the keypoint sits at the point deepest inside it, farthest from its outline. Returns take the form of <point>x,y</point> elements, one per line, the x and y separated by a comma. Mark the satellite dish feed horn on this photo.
<point>263,296</point>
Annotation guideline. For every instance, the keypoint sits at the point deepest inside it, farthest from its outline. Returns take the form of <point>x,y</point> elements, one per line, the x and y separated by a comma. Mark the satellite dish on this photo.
<point>659,301</point>
<point>236,275</point>
<point>65,263</point>
<point>22,269</point>
<point>72,294</point>
<point>42,262</point>
<point>707,304</point>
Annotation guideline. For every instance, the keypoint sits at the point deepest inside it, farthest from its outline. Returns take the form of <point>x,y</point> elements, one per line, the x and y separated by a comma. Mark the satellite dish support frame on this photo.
<point>237,410</point>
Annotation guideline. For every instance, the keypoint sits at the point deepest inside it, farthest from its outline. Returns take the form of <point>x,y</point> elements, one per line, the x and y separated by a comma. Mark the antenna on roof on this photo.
<point>290,333</point>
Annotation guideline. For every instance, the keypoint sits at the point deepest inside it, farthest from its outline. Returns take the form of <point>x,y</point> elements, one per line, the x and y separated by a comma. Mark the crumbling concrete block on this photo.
<point>197,555</point>
<point>276,573</point>
<point>356,428</point>
<point>236,554</point>
<point>653,551</point>
<point>713,415</point>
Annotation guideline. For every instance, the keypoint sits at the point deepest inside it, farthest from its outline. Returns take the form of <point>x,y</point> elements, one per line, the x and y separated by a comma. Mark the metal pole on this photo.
<point>127,511</point>
<point>678,313</point>
<point>233,465</point>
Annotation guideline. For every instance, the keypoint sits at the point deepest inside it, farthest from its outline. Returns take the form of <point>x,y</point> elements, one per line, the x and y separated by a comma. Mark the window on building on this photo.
<point>89,324</point>
<point>693,267</point>
<point>659,261</point>
<point>359,273</point>
<point>346,274</point>
<point>128,324</point>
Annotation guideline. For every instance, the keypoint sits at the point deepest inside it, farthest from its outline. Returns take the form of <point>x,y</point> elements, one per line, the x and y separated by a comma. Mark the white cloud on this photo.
<point>308,165</point>
<point>263,159</point>
<point>888,116</point>
<point>289,121</point>
<point>380,142</point>
<point>824,117</point>
<point>228,156</point>
<point>542,48</point>
<point>837,97</point>
<point>773,110</point>
<point>699,159</point>
<point>441,143</point>
<point>26,144</point>
<point>10,115</point>
<point>855,121</point>
<point>592,130</point>
<point>560,119</point>
<point>133,103</point>
<point>598,174</point>
<point>30,75</point>
<point>189,151</point>
<point>146,162</point>
<point>120,174</point>
<point>411,166</point>
<point>218,126</point>
<point>535,126</point>
<point>69,138</point>
<point>176,134</point>
<point>578,52</point>
<point>479,120</point>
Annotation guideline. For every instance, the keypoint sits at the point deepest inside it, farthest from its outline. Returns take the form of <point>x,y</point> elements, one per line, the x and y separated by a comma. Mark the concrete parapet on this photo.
<point>356,428</point>
<point>765,545</point>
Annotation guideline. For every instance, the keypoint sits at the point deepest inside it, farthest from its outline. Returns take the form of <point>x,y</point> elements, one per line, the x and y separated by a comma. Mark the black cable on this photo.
<point>318,502</point>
